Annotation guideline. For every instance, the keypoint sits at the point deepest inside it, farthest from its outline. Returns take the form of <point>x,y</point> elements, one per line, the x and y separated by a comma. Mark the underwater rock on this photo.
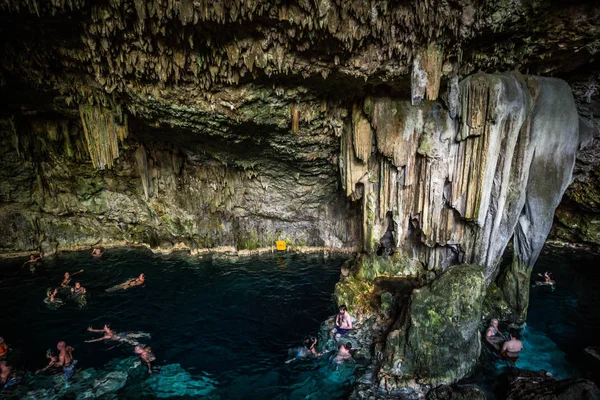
<point>529,385</point>
<point>448,392</point>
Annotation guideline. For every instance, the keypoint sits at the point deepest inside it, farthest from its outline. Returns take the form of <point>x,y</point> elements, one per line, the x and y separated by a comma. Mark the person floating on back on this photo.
<point>109,334</point>
<point>493,336</point>
<point>512,347</point>
<point>343,322</point>
<point>140,280</point>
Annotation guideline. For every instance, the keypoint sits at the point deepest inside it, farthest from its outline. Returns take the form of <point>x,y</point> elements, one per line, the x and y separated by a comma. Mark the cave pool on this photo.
<point>221,327</point>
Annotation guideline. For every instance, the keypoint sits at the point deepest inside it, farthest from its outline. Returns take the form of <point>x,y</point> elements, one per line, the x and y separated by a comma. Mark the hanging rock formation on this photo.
<point>228,125</point>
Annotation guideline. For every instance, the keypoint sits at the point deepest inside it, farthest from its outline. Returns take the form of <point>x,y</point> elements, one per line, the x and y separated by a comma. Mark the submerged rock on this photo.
<point>528,385</point>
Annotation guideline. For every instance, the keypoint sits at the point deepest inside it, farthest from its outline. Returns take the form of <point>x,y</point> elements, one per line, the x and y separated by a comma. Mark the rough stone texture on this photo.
<point>459,190</point>
<point>439,342</point>
<point>527,385</point>
<point>447,392</point>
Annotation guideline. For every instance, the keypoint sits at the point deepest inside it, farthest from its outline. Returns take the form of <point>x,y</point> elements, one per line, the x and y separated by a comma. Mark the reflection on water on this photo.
<point>220,328</point>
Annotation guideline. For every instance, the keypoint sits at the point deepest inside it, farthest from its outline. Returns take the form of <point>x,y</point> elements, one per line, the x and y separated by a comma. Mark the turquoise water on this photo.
<point>561,321</point>
<point>220,328</point>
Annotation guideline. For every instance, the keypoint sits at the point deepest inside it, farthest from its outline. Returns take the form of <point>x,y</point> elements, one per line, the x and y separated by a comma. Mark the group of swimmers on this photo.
<point>509,347</point>
<point>63,361</point>
<point>342,326</point>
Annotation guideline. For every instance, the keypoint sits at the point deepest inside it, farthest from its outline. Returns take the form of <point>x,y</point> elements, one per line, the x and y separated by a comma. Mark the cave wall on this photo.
<point>63,189</point>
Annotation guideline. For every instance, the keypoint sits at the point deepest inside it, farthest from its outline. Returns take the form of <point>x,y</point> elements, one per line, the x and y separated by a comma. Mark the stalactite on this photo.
<point>362,137</point>
<point>142,165</point>
<point>102,134</point>
<point>295,114</point>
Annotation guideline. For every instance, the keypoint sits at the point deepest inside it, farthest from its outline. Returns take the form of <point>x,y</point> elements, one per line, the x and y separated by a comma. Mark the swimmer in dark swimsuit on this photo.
<point>67,279</point>
<point>145,353</point>
<point>140,280</point>
<point>109,334</point>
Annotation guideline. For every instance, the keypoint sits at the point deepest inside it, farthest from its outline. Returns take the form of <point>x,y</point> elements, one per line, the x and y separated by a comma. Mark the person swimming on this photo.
<point>32,261</point>
<point>548,281</point>
<point>4,349</point>
<point>96,252</point>
<point>51,300</point>
<point>66,282</point>
<point>78,294</point>
<point>140,280</point>
<point>306,351</point>
<point>343,353</point>
<point>65,359</point>
<point>109,334</point>
<point>512,347</point>
<point>8,377</point>
<point>50,355</point>
<point>145,353</point>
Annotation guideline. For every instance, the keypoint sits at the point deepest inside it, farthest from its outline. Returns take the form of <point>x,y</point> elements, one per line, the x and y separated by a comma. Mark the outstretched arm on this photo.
<point>95,340</point>
<point>78,272</point>
<point>90,329</point>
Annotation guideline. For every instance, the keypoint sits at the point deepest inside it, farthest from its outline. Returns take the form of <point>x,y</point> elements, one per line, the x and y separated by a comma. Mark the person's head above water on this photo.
<point>342,309</point>
<point>61,345</point>
<point>494,322</point>
<point>32,257</point>
<point>1,340</point>
<point>77,285</point>
<point>348,346</point>
<point>310,342</point>
<point>67,275</point>
<point>106,328</point>
<point>142,277</point>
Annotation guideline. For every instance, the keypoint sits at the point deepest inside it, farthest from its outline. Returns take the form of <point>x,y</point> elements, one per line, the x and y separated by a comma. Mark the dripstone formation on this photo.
<point>434,133</point>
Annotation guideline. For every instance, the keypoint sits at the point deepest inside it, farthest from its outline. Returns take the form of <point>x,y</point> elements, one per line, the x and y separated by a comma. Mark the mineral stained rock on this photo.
<point>440,340</point>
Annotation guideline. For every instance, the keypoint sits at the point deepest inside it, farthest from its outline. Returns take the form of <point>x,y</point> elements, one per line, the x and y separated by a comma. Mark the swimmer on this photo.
<point>34,259</point>
<point>78,290</point>
<point>4,349</point>
<point>5,373</point>
<point>51,299</point>
<point>547,279</point>
<point>145,353</point>
<point>65,359</point>
<point>343,322</point>
<point>343,353</point>
<point>67,278</point>
<point>109,334</point>
<point>511,348</point>
<point>50,355</point>
<point>307,350</point>
<point>140,280</point>
<point>96,252</point>
<point>493,336</point>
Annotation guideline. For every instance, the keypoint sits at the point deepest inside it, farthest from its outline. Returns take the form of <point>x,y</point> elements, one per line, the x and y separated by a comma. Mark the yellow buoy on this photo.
<point>280,245</point>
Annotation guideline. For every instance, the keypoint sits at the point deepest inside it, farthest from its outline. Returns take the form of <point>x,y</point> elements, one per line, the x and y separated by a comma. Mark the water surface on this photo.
<point>228,323</point>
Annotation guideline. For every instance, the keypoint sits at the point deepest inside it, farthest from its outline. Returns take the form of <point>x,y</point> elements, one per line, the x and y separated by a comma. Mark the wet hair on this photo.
<point>514,333</point>
<point>310,341</point>
<point>348,346</point>
<point>343,307</point>
<point>61,345</point>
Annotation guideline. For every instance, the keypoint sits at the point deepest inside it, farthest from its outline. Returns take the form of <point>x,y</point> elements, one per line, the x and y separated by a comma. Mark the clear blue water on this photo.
<point>221,328</point>
<point>563,321</point>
